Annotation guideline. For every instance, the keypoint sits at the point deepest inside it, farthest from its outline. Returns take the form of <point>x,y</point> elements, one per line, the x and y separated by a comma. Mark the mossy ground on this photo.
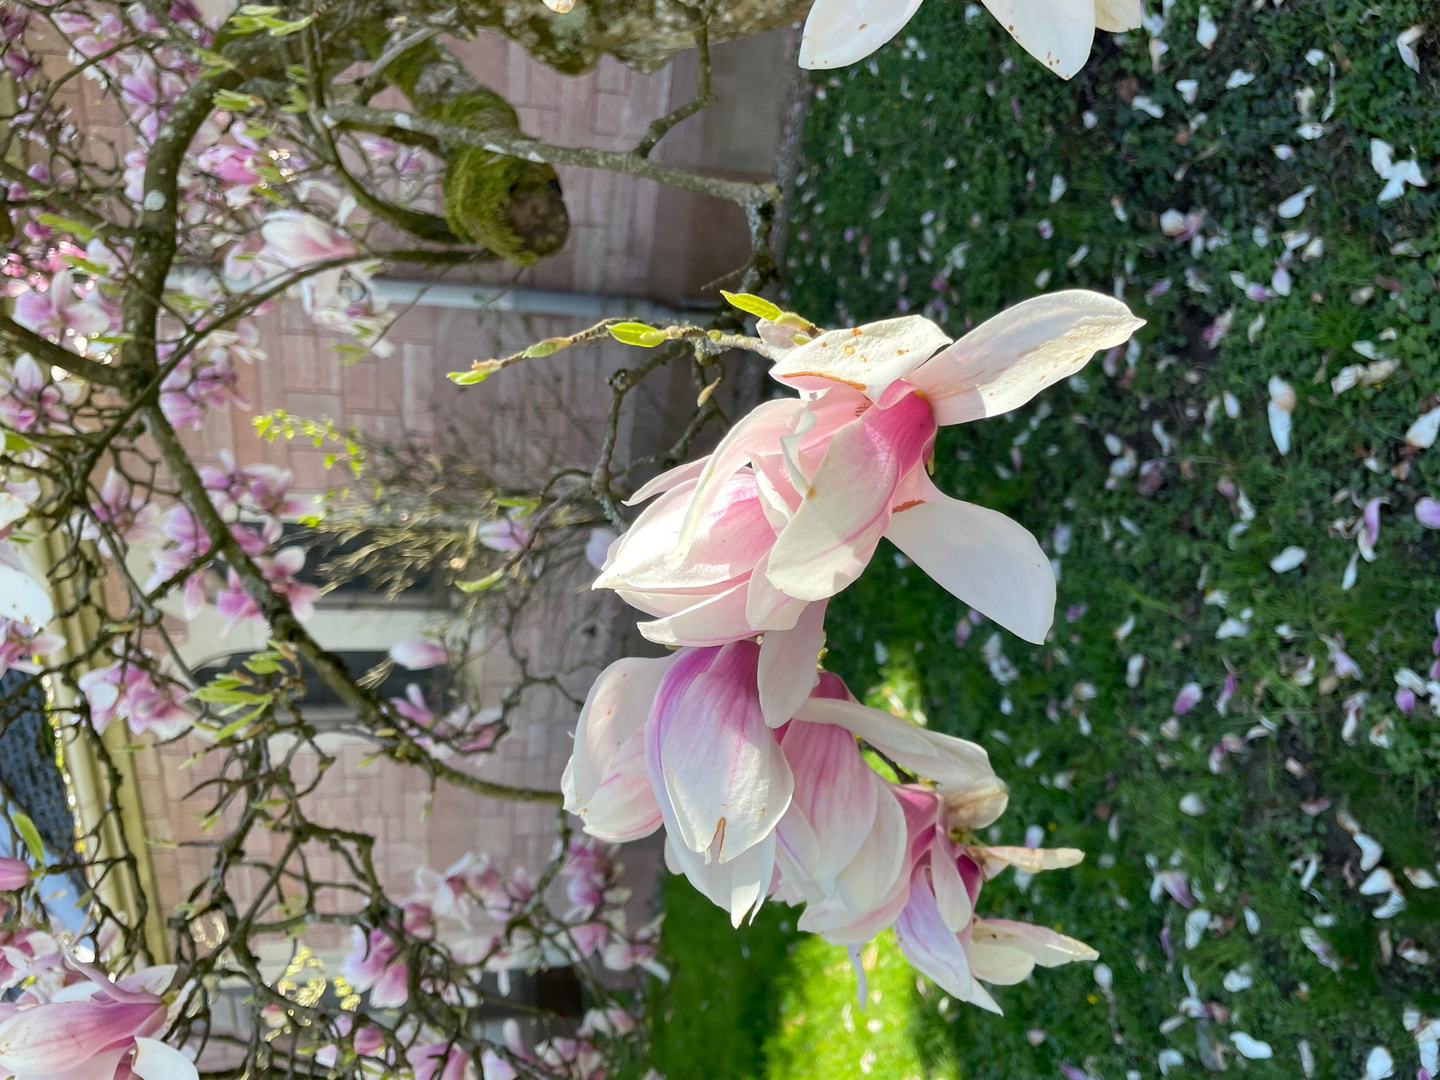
<point>927,185</point>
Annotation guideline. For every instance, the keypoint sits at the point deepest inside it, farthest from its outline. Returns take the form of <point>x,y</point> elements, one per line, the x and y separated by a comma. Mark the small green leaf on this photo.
<point>213,59</point>
<point>30,834</point>
<point>546,347</point>
<point>753,305</point>
<point>479,372</point>
<point>235,725</point>
<point>635,333</point>
<point>78,229</point>
<point>518,502</point>
<point>17,444</point>
<point>234,101</point>
<point>480,584</point>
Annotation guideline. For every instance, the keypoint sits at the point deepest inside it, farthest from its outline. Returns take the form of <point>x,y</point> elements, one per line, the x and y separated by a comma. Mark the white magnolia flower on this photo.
<point>1058,33</point>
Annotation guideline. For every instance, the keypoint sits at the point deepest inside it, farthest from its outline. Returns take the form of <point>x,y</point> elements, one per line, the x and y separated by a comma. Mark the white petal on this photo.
<point>868,357</point>
<point>1423,431</point>
<point>1049,948</point>
<point>1058,33</point>
<point>22,597</point>
<point>840,32</point>
<point>1379,1064</point>
<point>982,557</point>
<point>1288,559</point>
<point>948,761</point>
<point>788,660</point>
<point>1007,360</point>
<point>1280,427</point>
<point>1000,964</point>
<point>1250,1048</point>
<point>154,1060</point>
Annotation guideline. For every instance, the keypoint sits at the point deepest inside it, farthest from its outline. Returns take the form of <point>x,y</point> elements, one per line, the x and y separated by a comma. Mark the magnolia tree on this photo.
<point>253,165</point>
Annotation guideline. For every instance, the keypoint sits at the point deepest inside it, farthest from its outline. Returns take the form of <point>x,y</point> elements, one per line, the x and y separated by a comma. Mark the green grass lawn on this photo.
<point>928,184</point>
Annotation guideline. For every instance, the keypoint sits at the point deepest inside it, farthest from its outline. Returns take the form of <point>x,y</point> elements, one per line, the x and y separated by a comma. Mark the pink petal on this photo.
<point>880,866</point>
<point>834,804</point>
<point>868,358</point>
<point>928,943</point>
<point>950,762</point>
<point>418,654</point>
<point>731,537</point>
<point>60,1035</point>
<point>840,32</point>
<point>788,659</point>
<point>727,780</point>
<point>1007,360</point>
<point>392,989</point>
<point>1427,512</point>
<point>979,555</point>
<point>850,500</point>
<point>14,874</point>
<point>757,432</point>
<point>717,620</point>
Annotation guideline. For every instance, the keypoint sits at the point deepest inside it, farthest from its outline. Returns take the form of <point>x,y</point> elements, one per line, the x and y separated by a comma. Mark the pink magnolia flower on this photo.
<point>684,742</point>
<point>1427,512</point>
<point>367,1041</point>
<point>198,385</point>
<point>14,874</point>
<point>99,1030</point>
<point>259,488</point>
<point>371,965</point>
<point>1058,33</point>
<point>827,475</point>
<point>508,534</point>
<point>237,606</point>
<point>21,644</point>
<point>418,654</point>
<point>441,1061</point>
<point>126,691</point>
<point>296,240</point>
<point>29,401</point>
<point>128,512</point>
<point>26,952</point>
<point>62,313</point>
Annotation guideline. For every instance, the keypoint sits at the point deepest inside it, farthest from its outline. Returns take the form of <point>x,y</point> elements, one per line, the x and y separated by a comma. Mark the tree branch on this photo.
<point>628,163</point>
<point>286,628</point>
<point>53,355</point>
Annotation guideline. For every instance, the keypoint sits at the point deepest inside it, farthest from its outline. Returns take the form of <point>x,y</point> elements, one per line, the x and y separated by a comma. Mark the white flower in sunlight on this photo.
<point>1058,33</point>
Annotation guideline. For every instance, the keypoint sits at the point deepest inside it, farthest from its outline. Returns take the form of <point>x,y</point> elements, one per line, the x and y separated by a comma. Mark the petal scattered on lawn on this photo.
<point>1288,559</point>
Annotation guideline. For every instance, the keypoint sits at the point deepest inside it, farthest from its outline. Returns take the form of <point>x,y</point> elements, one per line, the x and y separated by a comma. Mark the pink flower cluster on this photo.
<point>797,812</point>
<point>127,691</point>
<point>750,763</point>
